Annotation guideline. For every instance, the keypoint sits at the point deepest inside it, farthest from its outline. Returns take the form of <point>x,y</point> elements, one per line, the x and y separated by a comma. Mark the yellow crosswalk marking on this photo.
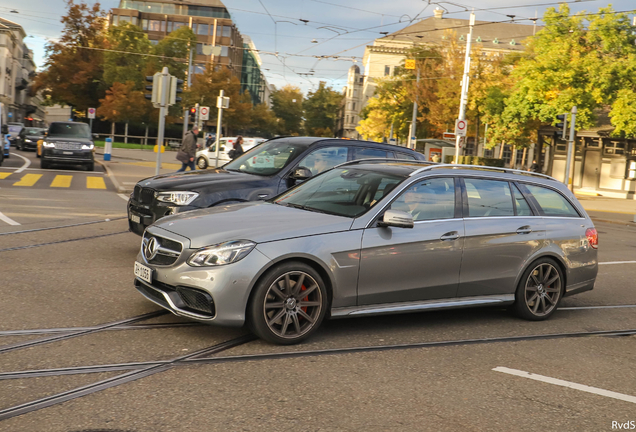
<point>95,183</point>
<point>62,181</point>
<point>28,180</point>
<point>4,175</point>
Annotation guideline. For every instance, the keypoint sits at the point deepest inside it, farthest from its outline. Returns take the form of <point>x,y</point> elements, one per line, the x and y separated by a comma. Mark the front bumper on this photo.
<point>141,215</point>
<point>71,157</point>
<point>212,295</point>
<point>33,145</point>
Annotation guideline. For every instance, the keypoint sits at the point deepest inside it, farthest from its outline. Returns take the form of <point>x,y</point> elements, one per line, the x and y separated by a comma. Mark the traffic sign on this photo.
<point>460,127</point>
<point>204,113</point>
<point>91,113</point>
<point>409,64</point>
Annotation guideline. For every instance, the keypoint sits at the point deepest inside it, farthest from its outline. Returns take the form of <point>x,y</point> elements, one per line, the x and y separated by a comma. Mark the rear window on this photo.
<point>552,202</point>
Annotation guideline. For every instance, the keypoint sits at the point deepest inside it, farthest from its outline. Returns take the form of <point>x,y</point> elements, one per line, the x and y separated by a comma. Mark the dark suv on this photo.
<point>259,174</point>
<point>68,143</point>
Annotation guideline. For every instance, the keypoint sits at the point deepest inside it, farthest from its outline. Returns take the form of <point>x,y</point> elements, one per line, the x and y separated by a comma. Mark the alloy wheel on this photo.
<point>293,304</point>
<point>543,289</point>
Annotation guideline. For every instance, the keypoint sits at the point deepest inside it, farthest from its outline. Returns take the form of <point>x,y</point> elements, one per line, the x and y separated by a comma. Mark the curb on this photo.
<point>112,178</point>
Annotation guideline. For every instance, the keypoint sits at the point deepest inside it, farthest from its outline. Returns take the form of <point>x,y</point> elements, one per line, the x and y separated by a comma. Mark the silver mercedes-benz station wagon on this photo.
<point>373,237</point>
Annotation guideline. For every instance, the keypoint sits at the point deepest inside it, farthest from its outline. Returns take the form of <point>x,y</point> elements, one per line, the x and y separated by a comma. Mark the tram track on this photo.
<point>62,226</point>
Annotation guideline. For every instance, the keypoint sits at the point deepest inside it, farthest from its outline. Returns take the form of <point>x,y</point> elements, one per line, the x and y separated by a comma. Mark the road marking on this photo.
<point>4,175</point>
<point>26,163</point>
<point>617,262</point>
<point>28,180</point>
<point>8,220</point>
<point>95,183</point>
<point>568,384</point>
<point>62,181</point>
<point>123,196</point>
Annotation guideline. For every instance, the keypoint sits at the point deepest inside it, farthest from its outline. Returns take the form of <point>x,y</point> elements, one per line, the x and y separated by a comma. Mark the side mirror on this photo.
<point>396,218</point>
<point>301,173</point>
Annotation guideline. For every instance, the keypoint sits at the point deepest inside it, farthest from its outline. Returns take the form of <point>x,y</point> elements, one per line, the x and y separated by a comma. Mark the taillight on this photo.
<point>592,237</point>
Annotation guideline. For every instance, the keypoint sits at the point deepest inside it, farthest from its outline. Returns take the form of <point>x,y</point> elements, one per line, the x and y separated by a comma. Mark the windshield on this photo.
<point>35,131</point>
<point>341,191</point>
<point>69,130</point>
<point>266,159</point>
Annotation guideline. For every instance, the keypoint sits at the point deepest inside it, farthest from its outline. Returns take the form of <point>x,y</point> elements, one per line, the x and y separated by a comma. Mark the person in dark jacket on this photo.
<point>189,146</point>
<point>237,148</point>
<point>534,167</point>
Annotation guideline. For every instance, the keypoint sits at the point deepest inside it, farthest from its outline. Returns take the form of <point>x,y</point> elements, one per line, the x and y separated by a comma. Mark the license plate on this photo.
<point>143,272</point>
<point>135,218</point>
<point>67,152</point>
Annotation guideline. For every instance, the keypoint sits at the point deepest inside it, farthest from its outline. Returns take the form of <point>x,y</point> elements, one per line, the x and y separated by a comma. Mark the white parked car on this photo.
<point>206,156</point>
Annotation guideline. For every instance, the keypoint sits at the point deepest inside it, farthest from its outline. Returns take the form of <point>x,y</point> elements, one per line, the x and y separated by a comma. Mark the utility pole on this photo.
<point>186,111</point>
<point>412,137</point>
<point>219,105</point>
<point>569,164</point>
<point>465,83</point>
<point>163,108</point>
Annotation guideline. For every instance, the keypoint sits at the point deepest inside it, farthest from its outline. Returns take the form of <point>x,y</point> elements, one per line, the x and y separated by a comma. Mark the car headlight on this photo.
<point>178,198</point>
<point>221,254</point>
<point>27,140</point>
<point>87,146</point>
<point>48,144</point>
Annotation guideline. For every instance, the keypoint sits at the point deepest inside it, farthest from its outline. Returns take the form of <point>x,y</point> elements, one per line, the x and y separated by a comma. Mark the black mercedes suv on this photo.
<point>259,174</point>
<point>68,143</point>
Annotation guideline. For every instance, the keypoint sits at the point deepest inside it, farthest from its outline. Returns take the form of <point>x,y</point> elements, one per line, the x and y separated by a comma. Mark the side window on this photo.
<point>428,199</point>
<point>523,209</point>
<point>324,158</point>
<point>488,198</point>
<point>367,153</point>
<point>551,202</point>
<point>404,156</point>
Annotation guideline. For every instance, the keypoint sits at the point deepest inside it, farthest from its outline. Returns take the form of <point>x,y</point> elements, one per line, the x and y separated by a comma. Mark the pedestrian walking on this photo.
<point>188,150</point>
<point>237,148</point>
<point>535,167</point>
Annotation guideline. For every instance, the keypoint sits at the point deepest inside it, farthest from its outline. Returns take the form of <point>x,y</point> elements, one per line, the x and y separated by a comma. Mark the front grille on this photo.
<point>146,195</point>
<point>137,193</point>
<point>67,146</point>
<point>197,300</point>
<point>160,250</point>
<point>151,293</point>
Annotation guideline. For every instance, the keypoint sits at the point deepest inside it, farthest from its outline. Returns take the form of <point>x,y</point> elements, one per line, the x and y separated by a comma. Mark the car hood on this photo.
<point>67,139</point>
<point>193,180</point>
<point>259,222</point>
<point>34,137</point>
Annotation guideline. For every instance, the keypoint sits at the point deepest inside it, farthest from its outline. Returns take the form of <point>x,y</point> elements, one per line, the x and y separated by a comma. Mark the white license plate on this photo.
<point>135,218</point>
<point>143,272</point>
<point>67,152</point>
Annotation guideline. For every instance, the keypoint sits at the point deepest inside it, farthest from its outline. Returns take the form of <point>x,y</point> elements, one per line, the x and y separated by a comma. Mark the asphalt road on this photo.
<point>427,371</point>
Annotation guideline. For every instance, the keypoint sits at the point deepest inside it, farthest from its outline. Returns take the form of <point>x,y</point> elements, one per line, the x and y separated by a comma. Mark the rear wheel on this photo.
<point>539,291</point>
<point>289,304</point>
<point>202,163</point>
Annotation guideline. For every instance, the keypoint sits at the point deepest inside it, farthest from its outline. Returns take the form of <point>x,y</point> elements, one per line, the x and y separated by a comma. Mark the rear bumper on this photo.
<point>580,287</point>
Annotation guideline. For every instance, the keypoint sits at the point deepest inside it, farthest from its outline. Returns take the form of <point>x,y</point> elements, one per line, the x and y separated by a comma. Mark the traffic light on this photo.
<point>155,88</point>
<point>193,111</point>
<point>175,87</point>
<point>563,124</point>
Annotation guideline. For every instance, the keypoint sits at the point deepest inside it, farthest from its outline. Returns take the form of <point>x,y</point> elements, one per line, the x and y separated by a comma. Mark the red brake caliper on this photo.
<point>304,308</point>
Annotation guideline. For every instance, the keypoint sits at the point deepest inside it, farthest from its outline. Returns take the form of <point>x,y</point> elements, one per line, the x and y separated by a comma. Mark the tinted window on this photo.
<point>324,158</point>
<point>34,131</point>
<point>488,198</point>
<point>429,199</point>
<point>367,153</point>
<point>522,207</point>
<point>551,202</point>
<point>266,159</point>
<point>341,191</point>
<point>404,156</point>
<point>69,130</point>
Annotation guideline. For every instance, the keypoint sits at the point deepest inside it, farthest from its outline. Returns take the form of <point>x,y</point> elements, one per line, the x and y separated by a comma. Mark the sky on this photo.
<point>292,35</point>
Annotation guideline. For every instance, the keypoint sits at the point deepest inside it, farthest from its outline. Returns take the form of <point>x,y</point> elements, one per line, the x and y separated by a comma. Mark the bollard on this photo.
<point>108,148</point>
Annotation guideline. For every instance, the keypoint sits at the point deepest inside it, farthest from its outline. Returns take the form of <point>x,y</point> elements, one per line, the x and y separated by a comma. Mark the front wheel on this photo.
<point>90,166</point>
<point>202,163</point>
<point>43,164</point>
<point>539,291</point>
<point>289,304</point>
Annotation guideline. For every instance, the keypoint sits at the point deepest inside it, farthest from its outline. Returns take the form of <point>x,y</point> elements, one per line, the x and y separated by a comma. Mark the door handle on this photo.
<point>453,235</point>
<point>524,230</point>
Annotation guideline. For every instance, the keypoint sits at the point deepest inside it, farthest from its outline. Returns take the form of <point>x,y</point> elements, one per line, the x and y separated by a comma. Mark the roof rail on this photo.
<point>483,168</point>
<point>380,160</point>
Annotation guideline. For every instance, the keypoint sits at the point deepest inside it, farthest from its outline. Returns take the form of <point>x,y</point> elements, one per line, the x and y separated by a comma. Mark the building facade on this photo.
<point>349,113</point>
<point>219,43</point>
<point>17,70</point>
<point>252,78</point>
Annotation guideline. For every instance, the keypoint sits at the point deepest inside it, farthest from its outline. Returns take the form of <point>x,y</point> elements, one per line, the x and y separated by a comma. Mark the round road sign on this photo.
<point>204,111</point>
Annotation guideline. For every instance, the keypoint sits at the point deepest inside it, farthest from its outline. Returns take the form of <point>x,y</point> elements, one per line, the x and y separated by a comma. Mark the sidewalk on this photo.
<point>613,210</point>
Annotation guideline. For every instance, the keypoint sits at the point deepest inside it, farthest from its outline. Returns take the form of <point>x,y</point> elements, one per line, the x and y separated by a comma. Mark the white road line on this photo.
<point>123,196</point>
<point>27,162</point>
<point>53,170</point>
<point>568,384</point>
<point>8,220</point>
<point>617,262</point>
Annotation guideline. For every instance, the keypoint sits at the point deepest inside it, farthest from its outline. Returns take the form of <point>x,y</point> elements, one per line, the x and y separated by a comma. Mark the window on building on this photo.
<point>224,51</point>
<point>178,24</point>
<point>614,148</point>
<point>387,70</point>
<point>194,28</point>
<point>199,49</point>
<point>202,29</point>
<point>124,18</point>
<point>115,20</point>
<point>353,106</point>
<point>156,25</point>
<point>144,24</point>
<point>223,31</point>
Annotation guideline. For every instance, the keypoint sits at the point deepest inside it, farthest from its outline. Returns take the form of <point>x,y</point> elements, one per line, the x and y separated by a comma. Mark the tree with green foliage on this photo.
<point>120,67</point>
<point>174,52</point>
<point>287,105</point>
<point>321,110</point>
<point>73,68</point>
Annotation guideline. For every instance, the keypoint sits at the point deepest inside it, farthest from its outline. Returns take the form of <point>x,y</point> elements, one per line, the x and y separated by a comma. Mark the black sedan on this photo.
<point>29,137</point>
<point>259,174</point>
